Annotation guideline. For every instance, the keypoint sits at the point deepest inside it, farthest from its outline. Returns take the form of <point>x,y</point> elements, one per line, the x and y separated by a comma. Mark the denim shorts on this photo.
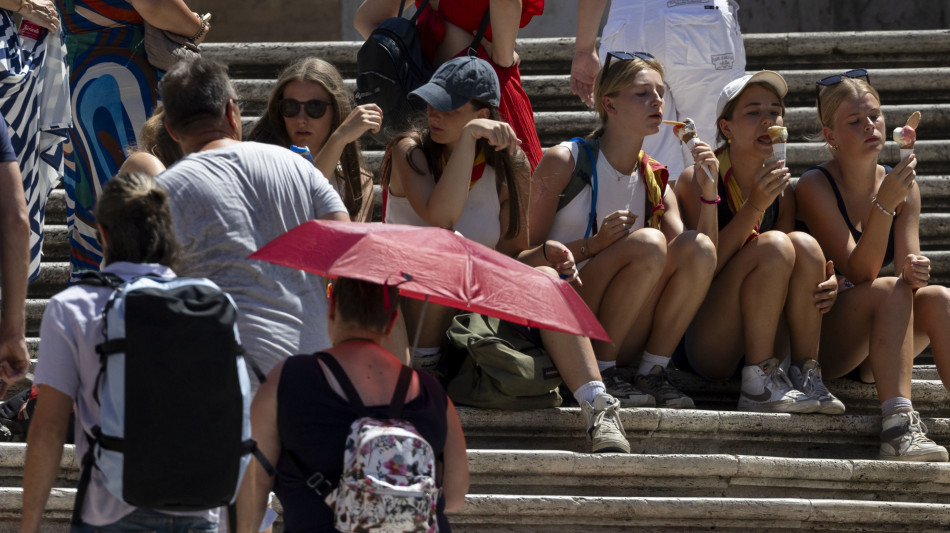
<point>147,520</point>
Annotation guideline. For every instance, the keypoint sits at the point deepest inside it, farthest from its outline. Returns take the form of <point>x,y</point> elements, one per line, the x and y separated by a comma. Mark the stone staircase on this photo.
<point>706,469</point>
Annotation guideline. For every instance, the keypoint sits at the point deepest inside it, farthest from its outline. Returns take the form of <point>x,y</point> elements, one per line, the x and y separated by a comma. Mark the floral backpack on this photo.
<point>389,476</point>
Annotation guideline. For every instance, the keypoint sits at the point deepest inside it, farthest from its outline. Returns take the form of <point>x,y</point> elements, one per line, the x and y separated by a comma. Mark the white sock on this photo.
<point>426,358</point>
<point>891,406</point>
<point>588,391</point>
<point>605,365</point>
<point>649,360</point>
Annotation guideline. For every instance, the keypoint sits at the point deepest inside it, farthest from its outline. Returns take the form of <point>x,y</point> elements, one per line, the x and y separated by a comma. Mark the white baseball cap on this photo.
<point>735,87</point>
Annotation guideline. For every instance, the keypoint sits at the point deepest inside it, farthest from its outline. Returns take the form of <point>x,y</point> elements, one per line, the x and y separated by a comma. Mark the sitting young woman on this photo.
<point>310,108</point>
<point>465,171</point>
<point>772,285</point>
<point>644,276</point>
<point>865,216</point>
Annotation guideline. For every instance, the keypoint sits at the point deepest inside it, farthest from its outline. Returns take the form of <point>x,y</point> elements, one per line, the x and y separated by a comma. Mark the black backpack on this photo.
<point>391,64</point>
<point>171,346</point>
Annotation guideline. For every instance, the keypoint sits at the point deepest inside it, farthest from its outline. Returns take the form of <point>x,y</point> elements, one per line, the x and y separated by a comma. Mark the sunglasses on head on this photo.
<point>291,108</point>
<point>836,79</point>
<point>625,56</point>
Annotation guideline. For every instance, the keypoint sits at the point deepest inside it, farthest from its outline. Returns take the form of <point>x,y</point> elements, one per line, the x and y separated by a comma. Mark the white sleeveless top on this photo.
<point>615,191</point>
<point>479,221</point>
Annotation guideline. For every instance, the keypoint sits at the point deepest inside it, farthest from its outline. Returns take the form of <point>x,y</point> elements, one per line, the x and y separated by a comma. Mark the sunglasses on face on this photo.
<point>836,79</point>
<point>625,56</point>
<point>291,108</point>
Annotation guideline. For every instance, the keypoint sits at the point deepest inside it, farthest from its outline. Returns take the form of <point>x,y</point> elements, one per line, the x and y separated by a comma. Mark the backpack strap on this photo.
<point>399,395</point>
<point>584,174</point>
<point>85,474</point>
<point>418,11</point>
<point>473,48</point>
<point>348,389</point>
<point>100,279</point>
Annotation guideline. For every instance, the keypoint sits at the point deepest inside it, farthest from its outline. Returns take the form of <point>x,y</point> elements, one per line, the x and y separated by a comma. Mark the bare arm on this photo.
<point>373,12</point>
<point>14,272</point>
<point>909,264</point>
<point>505,17</point>
<point>40,12</point>
<point>586,63</point>
<point>518,243</point>
<point>455,477</point>
<point>257,484</point>
<point>172,15</point>
<point>367,117</point>
<point>697,215</point>
<point>44,451</point>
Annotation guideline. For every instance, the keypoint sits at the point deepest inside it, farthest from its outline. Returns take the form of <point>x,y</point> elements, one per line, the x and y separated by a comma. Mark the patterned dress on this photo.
<point>35,103</point>
<point>114,91</point>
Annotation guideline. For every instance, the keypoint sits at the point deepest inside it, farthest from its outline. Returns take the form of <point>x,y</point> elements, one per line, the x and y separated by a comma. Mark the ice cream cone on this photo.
<point>778,151</point>
<point>906,152</point>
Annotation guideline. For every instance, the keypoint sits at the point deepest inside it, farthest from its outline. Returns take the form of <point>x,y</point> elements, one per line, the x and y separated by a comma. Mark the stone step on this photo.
<point>570,514</point>
<point>552,92</point>
<point>562,473</point>
<point>559,473</point>
<point>824,50</point>
<point>670,431</point>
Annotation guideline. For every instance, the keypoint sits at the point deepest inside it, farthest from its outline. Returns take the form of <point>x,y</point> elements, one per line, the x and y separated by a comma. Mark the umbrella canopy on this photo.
<point>437,265</point>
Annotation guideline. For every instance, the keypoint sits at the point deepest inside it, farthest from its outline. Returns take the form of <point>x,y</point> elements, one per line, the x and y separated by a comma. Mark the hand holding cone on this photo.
<point>686,132</point>
<point>906,136</point>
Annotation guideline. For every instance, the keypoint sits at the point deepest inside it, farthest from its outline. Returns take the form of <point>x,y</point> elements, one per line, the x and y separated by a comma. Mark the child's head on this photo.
<point>135,221</point>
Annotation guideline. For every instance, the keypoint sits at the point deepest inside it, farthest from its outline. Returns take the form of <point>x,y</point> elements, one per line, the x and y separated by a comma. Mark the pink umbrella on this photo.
<point>435,265</point>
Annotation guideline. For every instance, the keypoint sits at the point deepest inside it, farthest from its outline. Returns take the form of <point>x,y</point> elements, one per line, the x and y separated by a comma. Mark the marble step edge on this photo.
<point>518,513</point>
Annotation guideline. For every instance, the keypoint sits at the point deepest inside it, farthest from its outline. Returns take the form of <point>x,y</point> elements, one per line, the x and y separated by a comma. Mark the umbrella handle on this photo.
<point>422,320</point>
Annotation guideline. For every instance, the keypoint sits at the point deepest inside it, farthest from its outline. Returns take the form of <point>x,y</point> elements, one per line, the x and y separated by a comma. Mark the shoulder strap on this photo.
<point>418,11</point>
<point>473,48</point>
<point>100,279</point>
<point>348,389</point>
<point>834,188</point>
<point>584,174</point>
<point>399,395</point>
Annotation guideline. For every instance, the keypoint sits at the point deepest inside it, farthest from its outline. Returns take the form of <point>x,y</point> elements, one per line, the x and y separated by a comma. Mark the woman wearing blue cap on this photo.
<point>772,284</point>
<point>465,171</point>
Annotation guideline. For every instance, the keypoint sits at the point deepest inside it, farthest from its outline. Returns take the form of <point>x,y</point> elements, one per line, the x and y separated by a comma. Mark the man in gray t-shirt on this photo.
<point>229,198</point>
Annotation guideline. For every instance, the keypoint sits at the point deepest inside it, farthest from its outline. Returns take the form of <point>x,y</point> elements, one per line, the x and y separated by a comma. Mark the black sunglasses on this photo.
<point>314,108</point>
<point>836,79</point>
<point>624,56</point>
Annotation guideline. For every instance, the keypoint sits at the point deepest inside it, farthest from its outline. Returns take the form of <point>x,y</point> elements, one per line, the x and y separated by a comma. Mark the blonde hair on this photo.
<point>157,141</point>
<point>620,74</point>
<point>832,96</point>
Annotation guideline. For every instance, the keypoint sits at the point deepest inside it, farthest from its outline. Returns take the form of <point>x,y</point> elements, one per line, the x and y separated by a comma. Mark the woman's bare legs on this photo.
<point>932,326</point>
<point>740,314</point>
<point>618,282</point>
<point>801,314</point>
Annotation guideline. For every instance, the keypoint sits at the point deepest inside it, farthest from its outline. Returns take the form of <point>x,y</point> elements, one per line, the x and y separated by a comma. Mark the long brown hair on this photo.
<point>270,127</point>
<point>507,167</point>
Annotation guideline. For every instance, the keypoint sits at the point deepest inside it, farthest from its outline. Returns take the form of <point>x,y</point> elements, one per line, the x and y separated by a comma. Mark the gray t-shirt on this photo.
<point>227,203</point>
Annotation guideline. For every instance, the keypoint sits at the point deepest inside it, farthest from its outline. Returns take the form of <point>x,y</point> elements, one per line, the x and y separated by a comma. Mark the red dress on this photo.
<point>515,108</point>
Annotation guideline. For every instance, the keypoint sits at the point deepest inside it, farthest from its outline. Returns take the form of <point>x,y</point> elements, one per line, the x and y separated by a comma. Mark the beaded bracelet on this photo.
<point>201,30</point>
<point>710,202</point>
<point>882,208</point>
<point>21,7</point>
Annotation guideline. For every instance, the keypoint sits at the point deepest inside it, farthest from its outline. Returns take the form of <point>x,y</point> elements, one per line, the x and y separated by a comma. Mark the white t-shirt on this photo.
<point>227,203</point>
<point>615,191</point>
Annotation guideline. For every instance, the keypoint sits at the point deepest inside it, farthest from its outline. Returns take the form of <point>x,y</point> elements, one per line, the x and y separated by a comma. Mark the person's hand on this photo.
<point>614,227</point>
<point>14,361</point>
<point>897,183</point>
<point>584,69</point>
<point>363,118</point>
<point>915,271</point>
<point>827,291</point>
<point>42,13</point>
<point>561,259</point>
<point>705,157</point>
<point>770,181</point>
<point>498,134</point>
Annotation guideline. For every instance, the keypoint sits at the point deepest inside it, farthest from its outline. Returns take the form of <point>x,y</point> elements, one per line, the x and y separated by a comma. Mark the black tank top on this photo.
<point>313,422</point>
<point>889,252</point>
<point>725,214</point>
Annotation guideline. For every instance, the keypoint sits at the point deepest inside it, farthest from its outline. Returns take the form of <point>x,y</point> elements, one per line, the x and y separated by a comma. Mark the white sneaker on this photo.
<point>766,389</point>
<point>808,380</point>
<point>605,432</point>
<point>904,439</point>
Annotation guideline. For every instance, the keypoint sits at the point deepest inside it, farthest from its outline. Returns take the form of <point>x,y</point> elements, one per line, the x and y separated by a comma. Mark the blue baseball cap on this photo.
<point>458,81</point>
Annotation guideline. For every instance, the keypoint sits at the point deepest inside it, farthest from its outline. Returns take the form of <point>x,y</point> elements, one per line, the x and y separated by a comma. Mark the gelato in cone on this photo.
<point>905,136</point>
<point>779,137</point>
<point>686,132</point>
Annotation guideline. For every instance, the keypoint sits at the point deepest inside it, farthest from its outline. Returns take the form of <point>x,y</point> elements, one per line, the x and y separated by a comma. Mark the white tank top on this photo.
<point>479,221</point>
<point>615,191</point>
